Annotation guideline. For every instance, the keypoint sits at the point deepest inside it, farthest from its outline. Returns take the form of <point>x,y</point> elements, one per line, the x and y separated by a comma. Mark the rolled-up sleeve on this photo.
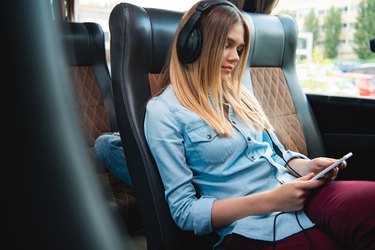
<point>201,215</point>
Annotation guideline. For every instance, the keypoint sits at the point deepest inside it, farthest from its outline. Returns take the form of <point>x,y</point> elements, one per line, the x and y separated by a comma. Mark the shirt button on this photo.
<point>209,137</point>
<point>253,157</point>
<point>249,138</point>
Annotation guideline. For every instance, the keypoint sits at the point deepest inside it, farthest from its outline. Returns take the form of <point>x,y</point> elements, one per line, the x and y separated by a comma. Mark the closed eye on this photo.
<point>239,51</point>
<point>231,44</point>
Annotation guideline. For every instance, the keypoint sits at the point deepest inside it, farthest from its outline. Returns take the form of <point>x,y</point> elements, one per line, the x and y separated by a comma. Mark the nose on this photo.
<point>233,55</point>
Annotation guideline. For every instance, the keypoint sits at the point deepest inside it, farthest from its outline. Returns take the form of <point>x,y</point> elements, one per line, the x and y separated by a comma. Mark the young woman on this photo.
<point>213,146</point>
<point>108,146</point>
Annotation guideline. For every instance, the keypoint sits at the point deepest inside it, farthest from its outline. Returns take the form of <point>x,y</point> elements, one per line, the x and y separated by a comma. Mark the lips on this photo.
<point>227,68</point>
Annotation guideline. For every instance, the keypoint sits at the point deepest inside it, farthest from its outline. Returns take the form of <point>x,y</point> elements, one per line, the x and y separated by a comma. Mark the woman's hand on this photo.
<point>316,165</point>
<point>291,196</point>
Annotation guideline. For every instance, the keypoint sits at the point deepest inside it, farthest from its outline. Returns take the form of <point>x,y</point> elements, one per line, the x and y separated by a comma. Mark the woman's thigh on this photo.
<point>346,211</point>
<point>308,239</point>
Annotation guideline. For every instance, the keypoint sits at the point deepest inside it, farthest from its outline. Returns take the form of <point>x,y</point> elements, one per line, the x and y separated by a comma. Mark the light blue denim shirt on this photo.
<point>198,166</point>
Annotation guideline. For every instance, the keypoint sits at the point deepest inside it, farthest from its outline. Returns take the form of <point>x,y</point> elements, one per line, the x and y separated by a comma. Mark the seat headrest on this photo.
<point>164,26</point>
<point>273,40</point>
<point>84,43</point>
<point>145,41</point>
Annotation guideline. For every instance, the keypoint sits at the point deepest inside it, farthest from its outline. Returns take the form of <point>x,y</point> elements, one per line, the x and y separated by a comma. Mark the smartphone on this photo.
<point>335,164</point>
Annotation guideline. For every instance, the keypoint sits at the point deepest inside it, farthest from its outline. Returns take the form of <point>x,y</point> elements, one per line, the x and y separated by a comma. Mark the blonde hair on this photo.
<point>198,85</point>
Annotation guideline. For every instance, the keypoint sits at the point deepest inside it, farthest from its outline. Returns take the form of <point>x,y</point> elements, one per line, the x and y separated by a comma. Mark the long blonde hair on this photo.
<point>198,85</point>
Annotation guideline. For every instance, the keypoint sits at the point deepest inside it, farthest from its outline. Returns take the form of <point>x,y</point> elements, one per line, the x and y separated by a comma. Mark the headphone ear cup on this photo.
<point>191,48</point>
<point>189,41</point>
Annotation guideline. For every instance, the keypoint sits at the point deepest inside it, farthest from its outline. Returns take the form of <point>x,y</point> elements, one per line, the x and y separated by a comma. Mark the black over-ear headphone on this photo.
<point>189,41</point>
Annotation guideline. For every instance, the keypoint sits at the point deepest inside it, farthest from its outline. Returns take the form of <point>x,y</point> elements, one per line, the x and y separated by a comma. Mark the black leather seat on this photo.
<point>51,198</point>
<point>84,43</point>
<point>276,85</point>
<point>92,84</point>
<point>140,40</point>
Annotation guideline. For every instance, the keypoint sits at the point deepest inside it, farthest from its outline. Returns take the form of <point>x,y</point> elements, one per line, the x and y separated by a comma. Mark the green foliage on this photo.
<point>312,25</point>
<point>315,86</point>
<point>365,29</point>
<point>313,73</point>
<point>319,58</point>
<point>332,31</point>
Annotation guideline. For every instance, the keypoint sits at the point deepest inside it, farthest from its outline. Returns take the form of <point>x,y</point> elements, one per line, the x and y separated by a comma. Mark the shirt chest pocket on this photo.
<point>210,147</point>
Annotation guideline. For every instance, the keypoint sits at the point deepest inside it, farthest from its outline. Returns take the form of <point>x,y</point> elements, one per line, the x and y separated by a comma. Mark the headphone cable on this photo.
<point>280,154</point>
<point>300,225</point>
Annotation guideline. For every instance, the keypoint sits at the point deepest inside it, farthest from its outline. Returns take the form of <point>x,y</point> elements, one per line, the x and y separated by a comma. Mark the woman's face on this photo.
<point>233,50</point>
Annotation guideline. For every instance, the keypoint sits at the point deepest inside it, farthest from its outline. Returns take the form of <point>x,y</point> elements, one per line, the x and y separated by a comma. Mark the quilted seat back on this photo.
<point>275,83</point>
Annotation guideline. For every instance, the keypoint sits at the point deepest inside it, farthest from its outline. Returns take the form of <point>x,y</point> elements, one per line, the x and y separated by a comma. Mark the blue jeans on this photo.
<point>109,150</point>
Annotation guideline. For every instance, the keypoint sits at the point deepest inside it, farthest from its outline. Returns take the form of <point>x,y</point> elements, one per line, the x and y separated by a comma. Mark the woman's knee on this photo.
<point>108,145</point>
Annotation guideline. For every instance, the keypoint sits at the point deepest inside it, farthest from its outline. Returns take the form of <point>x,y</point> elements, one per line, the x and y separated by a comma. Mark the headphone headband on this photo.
<point>189,41</point>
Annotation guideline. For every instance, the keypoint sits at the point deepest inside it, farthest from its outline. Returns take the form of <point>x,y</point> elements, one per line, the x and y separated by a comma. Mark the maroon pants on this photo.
<point>344,214</point>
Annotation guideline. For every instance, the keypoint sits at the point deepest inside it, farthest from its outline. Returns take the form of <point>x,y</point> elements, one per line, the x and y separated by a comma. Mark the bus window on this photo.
<point>332,40</point>
<point>340,45</point>
<point>99,10</point>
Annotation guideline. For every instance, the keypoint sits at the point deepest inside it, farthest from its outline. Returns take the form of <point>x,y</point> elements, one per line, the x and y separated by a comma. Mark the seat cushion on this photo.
<point>272,92</point>
<point>93,115</point>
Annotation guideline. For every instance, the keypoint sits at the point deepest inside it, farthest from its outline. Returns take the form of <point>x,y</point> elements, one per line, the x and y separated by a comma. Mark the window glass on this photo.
<point>98,11</point>
<point>340,61</point>
<point>333,55</point>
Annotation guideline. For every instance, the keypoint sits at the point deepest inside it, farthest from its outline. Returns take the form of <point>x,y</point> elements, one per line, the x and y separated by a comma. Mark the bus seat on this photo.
<point>92,84</point>
<point>276,85</point>
<point>140,40</point>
